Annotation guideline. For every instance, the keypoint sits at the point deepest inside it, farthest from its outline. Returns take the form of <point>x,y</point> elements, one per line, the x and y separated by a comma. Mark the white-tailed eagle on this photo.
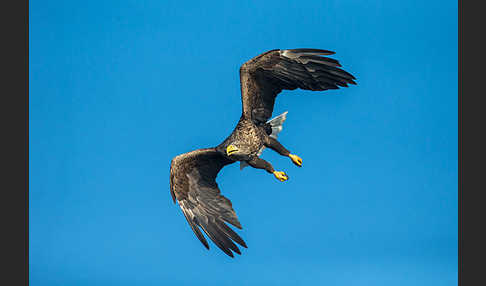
<point>193,174</point>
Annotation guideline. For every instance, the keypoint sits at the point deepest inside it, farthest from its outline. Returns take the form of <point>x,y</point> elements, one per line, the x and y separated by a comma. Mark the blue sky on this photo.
<point>118,88</point>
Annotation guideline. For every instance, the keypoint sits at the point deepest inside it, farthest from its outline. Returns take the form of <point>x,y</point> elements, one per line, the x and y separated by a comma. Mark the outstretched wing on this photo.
<point>265,76</point>
<point>193,185</point>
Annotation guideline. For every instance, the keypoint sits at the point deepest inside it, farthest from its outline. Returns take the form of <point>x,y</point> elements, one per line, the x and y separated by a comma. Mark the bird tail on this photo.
<point>277,125</point>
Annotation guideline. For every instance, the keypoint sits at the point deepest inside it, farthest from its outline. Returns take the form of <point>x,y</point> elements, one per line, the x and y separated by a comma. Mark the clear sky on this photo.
<point>118,88</point>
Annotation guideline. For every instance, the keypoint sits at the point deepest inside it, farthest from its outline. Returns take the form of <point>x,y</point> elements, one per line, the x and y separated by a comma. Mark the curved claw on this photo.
<point>281,176</point>
<point>296,160</point>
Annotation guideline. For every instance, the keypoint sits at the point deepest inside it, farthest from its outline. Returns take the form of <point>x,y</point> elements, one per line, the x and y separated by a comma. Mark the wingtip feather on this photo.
<point>308,50</point>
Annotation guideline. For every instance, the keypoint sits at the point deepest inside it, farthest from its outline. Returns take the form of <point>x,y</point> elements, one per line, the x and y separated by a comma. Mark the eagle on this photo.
<point>193,174</point>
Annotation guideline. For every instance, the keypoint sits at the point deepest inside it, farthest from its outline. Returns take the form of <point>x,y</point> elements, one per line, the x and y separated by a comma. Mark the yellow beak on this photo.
<point>231,149</point>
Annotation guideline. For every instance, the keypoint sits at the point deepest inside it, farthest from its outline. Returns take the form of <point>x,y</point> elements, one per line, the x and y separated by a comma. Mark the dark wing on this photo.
<point>266,75</point>
<point>193,185</point>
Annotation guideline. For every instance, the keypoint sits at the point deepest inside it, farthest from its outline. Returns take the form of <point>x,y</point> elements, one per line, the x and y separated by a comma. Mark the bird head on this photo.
<point>231,149</point>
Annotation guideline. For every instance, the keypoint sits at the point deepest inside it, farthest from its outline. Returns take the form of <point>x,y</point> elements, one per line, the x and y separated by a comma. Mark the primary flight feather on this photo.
<point>193,174</point>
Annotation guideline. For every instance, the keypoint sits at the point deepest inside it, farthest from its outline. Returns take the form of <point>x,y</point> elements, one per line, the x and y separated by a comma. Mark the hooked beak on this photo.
<point>231,149</point>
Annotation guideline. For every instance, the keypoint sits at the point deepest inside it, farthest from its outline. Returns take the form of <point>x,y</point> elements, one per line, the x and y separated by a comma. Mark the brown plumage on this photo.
<point>193,174</point>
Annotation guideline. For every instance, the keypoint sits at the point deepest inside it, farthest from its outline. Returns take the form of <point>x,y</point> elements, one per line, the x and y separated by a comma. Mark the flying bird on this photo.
<point>193,174</point>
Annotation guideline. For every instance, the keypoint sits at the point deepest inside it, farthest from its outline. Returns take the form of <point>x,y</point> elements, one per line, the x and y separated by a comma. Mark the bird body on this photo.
<point>193,174</point>
<point>247,137</point>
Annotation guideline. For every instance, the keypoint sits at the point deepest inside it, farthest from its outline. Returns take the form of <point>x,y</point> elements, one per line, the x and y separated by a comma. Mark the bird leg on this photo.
<point>279,148</point>
<point>259,163</point>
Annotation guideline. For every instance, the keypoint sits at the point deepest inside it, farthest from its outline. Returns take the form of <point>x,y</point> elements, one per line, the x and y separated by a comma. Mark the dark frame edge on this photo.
<point>15,133</point>
<point>471,153</point>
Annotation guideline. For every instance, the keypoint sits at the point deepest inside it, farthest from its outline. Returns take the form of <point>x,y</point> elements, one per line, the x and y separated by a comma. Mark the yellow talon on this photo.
<point>296,159</point>
<point>281,176</point>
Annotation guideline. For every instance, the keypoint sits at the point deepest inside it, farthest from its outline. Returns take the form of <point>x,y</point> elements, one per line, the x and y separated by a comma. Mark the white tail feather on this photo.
<point>276,124</point>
